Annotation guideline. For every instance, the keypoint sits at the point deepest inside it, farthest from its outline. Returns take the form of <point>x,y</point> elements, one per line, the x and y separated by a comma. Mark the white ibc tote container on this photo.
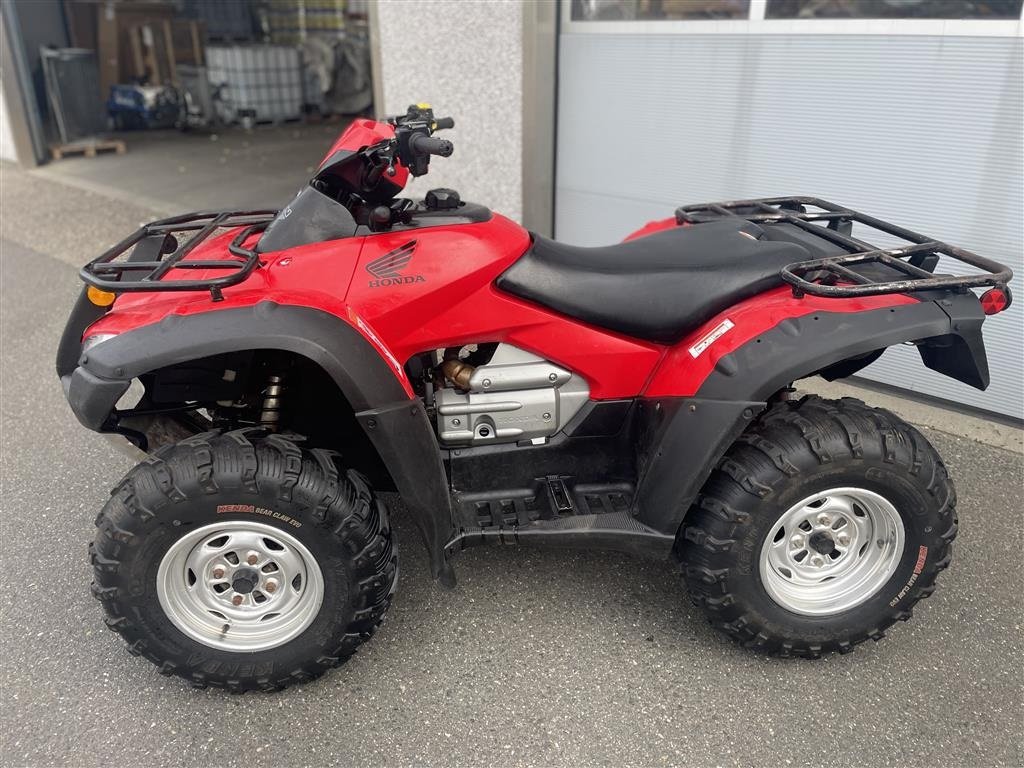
<point>261,82</point>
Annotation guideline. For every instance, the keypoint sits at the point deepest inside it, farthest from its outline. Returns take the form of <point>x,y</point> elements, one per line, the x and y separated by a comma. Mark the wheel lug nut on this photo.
<point>817,561</point>
<point>842,539</point>
<point>824,519</point>
<point>252,558</point>
<point>218,572</point>
<point>237,600</point>
<point>270,586</point>
<point>797,542</point>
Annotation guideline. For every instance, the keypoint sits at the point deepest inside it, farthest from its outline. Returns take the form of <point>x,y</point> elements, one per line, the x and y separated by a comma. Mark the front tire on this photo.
<point>821,527</point>
<point>244,563</point>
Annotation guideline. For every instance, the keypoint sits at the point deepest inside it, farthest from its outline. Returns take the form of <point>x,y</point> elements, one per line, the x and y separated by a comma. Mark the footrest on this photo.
<point>557,511</point>
<point>546,498</point>
<point>602,500</point>
<point>620,532</point>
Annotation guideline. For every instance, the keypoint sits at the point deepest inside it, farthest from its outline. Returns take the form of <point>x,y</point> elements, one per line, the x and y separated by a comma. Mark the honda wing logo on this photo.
<point>388,268</point>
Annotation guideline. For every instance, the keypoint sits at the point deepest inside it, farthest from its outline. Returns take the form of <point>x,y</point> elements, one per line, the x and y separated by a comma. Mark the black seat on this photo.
<point>656,287</point>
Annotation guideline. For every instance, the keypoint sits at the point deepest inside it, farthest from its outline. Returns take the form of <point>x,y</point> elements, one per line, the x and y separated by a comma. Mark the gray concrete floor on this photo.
<point>172,172</point>
<point>538,658</point>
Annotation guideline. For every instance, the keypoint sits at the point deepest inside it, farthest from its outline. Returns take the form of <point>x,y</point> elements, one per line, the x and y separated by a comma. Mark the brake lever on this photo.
<point>373,176</point>
<point>382,159</point>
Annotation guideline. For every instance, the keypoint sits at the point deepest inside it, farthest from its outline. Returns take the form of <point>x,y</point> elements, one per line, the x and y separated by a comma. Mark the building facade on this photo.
<point>656,103</point>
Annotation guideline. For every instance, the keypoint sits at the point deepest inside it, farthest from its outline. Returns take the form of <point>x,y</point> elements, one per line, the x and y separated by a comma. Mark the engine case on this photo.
<point>515,397</point>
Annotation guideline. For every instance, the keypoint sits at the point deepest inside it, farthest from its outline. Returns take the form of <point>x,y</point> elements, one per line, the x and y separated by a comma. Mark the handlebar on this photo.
<point>412,145</point>
<point>428,145</point>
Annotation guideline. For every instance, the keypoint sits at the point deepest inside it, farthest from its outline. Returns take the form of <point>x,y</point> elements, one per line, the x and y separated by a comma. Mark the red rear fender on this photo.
<point>688,364</point>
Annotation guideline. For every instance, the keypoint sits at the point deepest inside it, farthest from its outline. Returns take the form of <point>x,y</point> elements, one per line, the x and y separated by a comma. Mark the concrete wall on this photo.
<point>465,58</point>
<point>7,151</point>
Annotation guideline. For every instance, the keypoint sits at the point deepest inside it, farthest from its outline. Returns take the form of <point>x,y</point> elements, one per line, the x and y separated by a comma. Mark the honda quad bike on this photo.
<point>276,370</point>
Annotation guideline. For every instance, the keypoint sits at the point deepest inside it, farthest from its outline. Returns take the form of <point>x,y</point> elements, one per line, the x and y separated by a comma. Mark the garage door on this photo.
<point>923,130</point>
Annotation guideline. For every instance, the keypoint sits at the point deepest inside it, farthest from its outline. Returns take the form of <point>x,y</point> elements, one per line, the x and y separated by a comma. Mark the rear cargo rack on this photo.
<point>158,247</point>
<point>832,276</point>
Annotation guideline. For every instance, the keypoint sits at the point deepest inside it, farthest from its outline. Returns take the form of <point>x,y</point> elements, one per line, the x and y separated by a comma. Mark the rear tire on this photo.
<point>821,527</point>
<point>243,562</point>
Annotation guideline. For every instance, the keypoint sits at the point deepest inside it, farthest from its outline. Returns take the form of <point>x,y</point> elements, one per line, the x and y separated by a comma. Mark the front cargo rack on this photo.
<point>832,276</point>
<point>163,245</point>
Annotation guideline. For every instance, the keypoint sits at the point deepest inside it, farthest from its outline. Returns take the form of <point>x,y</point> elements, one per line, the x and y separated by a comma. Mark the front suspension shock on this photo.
<point>270,415</point>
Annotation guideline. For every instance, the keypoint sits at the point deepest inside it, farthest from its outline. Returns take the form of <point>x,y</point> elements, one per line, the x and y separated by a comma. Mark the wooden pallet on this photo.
<point>87,147</point>
<point>280,121</point>
<point>158,47</point>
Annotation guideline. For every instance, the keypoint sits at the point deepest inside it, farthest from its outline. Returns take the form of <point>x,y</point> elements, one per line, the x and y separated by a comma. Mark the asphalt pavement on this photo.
<point>537,658</point>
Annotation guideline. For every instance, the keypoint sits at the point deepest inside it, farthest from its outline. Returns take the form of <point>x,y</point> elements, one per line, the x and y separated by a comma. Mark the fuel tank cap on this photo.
<point>442,199</point>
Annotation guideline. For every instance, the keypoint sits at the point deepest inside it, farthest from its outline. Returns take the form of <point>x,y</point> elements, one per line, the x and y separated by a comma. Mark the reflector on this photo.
<point>995,300</point>
<point>100,298</point>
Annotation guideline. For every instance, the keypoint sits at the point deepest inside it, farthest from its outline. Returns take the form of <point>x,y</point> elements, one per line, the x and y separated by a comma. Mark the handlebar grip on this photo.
<point>427,145</point>
<point>443,122</point>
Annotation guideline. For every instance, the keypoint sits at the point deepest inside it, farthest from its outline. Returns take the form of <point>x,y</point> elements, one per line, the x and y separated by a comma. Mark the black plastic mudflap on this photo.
<point>557,511</point>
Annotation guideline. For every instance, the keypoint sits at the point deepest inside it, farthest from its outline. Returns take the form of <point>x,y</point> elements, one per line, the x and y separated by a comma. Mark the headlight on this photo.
<point>96,338</point>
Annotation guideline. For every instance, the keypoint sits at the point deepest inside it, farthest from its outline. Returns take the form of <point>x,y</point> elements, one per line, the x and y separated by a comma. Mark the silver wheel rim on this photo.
<point>832,551</point>
<point>240,586</point>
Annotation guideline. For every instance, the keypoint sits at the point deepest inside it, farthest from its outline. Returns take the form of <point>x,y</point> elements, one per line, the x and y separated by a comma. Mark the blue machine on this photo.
<point>143,106</point>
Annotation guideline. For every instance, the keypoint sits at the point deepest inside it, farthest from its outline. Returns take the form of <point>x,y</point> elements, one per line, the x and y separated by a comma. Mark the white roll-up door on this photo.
<point>922,131</point>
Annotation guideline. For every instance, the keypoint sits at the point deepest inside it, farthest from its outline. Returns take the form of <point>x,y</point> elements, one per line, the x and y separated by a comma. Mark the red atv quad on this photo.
<point>281,367</point>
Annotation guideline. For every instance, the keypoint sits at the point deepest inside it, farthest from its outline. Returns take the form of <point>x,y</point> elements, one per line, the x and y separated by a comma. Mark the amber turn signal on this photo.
<point>100,298</point>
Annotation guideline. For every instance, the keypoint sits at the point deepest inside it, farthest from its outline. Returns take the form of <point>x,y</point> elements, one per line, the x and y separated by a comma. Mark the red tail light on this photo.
<point>995,300</point>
